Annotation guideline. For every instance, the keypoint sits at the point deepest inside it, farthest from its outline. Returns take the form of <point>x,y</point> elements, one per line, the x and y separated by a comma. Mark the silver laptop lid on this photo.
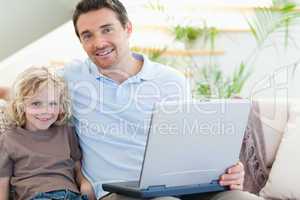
<point>193,142</point>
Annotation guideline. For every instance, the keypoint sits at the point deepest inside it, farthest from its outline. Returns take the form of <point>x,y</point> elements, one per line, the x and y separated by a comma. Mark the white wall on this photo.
<point>59,45</point>
<point>23,21</point>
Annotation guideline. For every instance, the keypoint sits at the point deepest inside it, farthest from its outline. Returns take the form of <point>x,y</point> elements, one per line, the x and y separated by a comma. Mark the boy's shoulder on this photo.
<point>61,128</point>
<point>9,137</point>
<point>64,129</point>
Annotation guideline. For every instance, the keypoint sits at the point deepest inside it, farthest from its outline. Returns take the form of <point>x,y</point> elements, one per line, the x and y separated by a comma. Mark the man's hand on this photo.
<point>234,177</point>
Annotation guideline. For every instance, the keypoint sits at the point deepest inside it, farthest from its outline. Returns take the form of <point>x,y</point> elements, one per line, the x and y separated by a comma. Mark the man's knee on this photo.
<point>166,198</point>
<point>228,195</point>
<point>236,194</point>
<point>115,196</point>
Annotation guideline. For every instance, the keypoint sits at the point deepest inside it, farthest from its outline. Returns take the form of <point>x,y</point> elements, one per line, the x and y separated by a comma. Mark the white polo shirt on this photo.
<point>112,120</point>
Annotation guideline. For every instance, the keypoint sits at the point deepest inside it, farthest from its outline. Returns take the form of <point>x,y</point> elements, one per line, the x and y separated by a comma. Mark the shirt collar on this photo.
<point>146,73</point>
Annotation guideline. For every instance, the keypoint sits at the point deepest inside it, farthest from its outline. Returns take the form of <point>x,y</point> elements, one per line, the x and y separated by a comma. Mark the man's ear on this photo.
<point>128,28</point>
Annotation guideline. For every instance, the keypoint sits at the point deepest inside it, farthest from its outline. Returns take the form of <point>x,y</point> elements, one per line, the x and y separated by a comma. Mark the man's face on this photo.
<point>103,37</point>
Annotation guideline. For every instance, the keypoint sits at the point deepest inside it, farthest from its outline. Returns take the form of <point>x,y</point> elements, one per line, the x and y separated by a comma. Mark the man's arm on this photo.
<point>4,188</point>
<point>234,178</point>
<point>84,185</point>
<point>4,93</point>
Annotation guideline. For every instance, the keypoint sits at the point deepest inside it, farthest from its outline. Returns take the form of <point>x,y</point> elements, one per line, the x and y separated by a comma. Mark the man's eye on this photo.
<point>86,37</point>
<point>107,30</point>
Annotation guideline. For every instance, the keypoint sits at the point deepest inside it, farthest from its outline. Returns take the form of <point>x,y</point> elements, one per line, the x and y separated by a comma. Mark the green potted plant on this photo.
<point>278,18</point>
<point>211,81</point>
<point>193,36</point>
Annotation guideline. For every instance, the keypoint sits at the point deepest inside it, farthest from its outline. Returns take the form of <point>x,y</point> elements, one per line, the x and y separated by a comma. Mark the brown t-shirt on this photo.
<point>40,161</point>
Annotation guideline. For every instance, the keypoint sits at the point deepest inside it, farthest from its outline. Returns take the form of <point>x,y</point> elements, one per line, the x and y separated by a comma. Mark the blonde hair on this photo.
<point>27,85</point>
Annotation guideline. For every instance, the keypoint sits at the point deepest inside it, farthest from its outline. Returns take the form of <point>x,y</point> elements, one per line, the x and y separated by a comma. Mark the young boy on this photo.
<point>40,156</point>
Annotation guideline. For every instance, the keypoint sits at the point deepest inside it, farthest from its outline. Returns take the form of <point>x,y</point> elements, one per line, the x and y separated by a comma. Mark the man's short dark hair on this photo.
<point>85,6</point>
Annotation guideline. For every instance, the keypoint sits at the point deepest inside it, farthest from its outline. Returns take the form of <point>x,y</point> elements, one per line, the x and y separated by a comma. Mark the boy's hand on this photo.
<point>4,188</point>
<point>87,189</point>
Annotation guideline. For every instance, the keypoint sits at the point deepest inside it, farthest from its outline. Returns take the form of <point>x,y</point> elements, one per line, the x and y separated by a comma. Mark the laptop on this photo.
<point>189,145</point>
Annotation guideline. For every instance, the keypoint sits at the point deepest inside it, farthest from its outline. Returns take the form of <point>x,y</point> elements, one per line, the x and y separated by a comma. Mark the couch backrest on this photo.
<point>274,114</point>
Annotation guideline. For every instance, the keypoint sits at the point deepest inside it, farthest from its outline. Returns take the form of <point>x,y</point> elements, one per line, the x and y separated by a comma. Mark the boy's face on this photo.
<point>104,38</point>
<point>42,110</point>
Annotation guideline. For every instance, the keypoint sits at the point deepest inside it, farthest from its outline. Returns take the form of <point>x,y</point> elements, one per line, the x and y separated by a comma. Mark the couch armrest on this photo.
<point>3,118</point>
<point>273,116</point>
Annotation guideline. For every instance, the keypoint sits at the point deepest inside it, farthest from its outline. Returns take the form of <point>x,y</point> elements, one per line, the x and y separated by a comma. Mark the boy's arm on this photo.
<point>4,188</point>
<point>84,185</point>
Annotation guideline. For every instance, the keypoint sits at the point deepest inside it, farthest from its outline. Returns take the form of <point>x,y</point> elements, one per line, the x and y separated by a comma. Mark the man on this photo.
<point>113,92</point>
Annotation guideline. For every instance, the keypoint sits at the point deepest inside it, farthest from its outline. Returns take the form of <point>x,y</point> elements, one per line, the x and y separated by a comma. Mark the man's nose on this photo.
<point>100,41</point>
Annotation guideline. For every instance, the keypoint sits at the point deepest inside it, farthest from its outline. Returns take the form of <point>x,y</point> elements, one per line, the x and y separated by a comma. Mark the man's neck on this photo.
<point>124,70</point>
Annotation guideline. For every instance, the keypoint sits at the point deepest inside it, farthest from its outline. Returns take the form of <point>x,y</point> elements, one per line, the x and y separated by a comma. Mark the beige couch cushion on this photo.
<point>273,115</point>
<point>283,182</point>
<point>3,118</point>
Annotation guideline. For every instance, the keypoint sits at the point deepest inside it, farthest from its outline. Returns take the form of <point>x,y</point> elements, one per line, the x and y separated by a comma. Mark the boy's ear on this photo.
<point>61,114</point>
<point>61,110</point>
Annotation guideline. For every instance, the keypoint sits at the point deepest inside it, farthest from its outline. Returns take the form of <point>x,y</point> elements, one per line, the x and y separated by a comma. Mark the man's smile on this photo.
<point>105,52</point>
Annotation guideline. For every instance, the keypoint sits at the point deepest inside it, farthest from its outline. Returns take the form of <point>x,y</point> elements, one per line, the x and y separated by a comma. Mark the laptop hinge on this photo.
<point>156,187</point>
<point>214,182</point>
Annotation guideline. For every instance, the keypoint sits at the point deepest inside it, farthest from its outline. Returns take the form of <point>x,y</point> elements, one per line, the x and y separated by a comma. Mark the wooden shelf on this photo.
<point>242,8</point>
<point>218,8</point>
<point>168,30</point>
<point>223,7</point>
<point>175,52</point>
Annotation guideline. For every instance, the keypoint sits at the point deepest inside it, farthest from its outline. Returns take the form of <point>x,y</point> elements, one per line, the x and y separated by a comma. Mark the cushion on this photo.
<point>274,116</point>
<point>283,182</point>
<point>3,118</point>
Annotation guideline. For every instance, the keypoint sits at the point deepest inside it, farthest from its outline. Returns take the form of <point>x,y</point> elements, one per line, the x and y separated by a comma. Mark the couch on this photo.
<point>277,148</point>
<point>271,115</point>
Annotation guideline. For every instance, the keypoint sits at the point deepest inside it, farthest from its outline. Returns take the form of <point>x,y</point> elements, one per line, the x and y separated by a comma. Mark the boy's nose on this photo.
<point>46,109</point>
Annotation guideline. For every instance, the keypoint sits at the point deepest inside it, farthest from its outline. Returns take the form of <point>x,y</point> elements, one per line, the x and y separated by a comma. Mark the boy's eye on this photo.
<point>53,103</point>
<point>36,103</point>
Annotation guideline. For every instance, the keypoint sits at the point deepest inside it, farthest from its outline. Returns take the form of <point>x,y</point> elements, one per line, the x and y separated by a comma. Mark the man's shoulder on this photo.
<point>162,71</point>
<point>74,70</point>
<point>76,66</point>
<point>173,84</point>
